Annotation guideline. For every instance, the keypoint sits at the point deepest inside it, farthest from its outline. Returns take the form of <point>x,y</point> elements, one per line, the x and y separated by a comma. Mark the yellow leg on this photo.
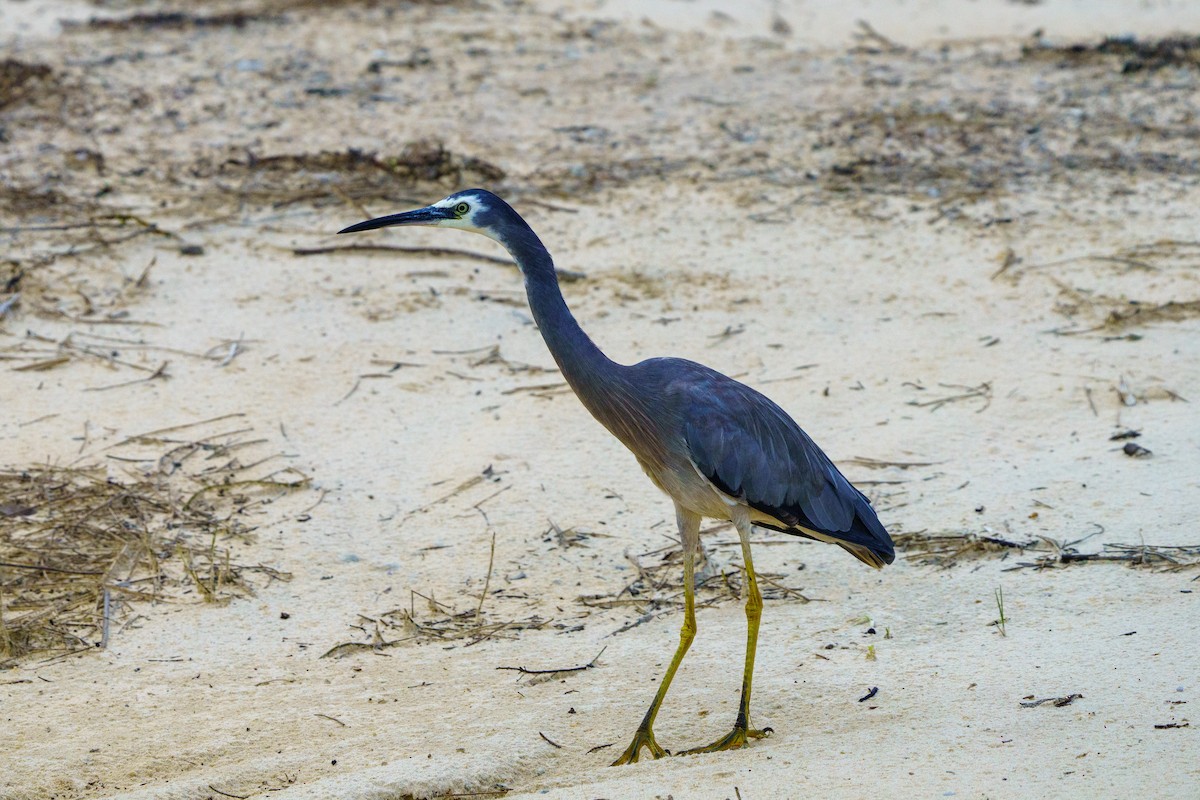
<point>689,532</point>
<point>741,728</point>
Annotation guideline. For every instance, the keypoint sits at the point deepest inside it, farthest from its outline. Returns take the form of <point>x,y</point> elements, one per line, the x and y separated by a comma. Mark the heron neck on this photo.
<point>582,363</point>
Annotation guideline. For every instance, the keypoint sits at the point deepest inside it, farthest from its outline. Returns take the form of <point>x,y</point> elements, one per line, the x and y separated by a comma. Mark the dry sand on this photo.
<point>861,224</point>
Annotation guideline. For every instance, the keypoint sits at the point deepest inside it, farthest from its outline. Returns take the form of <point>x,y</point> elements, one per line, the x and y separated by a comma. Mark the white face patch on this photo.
<point>463,219</point>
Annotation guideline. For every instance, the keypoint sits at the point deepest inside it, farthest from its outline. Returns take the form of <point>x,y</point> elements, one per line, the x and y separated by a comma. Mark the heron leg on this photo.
<point>689,533</point>
<point>741,728</point>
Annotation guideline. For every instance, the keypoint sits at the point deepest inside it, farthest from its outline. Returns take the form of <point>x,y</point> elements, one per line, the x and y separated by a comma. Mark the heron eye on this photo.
<point>461,209</point>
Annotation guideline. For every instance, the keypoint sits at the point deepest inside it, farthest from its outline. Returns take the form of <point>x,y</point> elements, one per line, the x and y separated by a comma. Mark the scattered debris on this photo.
<point>981,392</point>
<point>81,545</point>
<point>170,20</point>
<point>1161,558</point>
<point>1134,55</point>
<point>875,463</point>
<point>443,625</point>
<point>874,691</point>
<point>1135,450</point>
<point>1057,702</point>
<point>475,480</point>
<point>1115,315</point>
<point>946,549</point>
<point>20,81</point>
<point>570,537</point>
<point>421,167</point>
<point>1127,313</point>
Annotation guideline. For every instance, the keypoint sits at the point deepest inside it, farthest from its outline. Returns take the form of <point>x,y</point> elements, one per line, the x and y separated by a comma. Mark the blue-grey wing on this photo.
<point>749,448</point>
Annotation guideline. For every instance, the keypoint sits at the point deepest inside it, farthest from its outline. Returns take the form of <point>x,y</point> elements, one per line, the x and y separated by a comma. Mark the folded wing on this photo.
<point>749,448</point>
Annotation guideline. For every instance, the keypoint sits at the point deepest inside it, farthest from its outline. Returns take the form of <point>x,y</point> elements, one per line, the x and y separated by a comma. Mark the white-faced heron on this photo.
<point>717,447</point>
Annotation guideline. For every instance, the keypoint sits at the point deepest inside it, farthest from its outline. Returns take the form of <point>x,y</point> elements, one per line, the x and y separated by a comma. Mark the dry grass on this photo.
<point>434,621</point>
<point>947,549</point>
<point>82,546</point>
<point>48,267</point>
<point>352,176</point>
<point>173,21</point>
<point>1111,293</point>
<point>962,149</point>
<point>21,81</point>
<point>657,588</point>
<point>909,136</point>
<point>238,16</point>
<point>1133,55</point>
<point>1157,558</point>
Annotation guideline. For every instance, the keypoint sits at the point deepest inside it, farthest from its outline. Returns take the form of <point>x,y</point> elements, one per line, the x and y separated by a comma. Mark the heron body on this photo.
<point>715,446</point>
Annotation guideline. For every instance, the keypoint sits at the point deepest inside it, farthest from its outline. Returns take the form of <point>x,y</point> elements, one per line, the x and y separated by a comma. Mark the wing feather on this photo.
<point>752,450</point>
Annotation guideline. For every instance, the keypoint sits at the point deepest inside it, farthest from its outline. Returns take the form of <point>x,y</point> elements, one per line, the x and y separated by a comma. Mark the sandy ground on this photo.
<point>863,223</point>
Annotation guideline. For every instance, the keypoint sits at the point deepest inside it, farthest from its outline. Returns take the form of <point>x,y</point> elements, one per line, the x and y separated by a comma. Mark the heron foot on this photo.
<point>731,741</point>
<point>643,738</point>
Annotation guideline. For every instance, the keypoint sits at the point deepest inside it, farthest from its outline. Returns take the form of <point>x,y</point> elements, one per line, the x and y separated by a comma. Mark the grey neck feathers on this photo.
<point>602,385</point>
<point>581,361</point>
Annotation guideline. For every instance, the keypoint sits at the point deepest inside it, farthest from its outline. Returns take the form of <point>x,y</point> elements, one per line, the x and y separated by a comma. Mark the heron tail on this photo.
<point>867,555</point>
<point>867,539</point>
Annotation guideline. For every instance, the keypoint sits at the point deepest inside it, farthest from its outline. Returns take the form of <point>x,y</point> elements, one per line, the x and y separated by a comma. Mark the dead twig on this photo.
<point>161,372</point>
<point>332,719</point>
<point>586,666</point>
<point>436,252</point>
<point>1057,702</point>
<point>875,463</point>
<point>981,392</point>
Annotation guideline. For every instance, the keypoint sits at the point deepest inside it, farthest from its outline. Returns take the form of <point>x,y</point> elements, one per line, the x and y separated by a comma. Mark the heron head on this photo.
<point>475,210</point>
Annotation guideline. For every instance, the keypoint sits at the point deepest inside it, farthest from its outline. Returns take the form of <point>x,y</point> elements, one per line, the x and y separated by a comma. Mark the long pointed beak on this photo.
<point>422,216</point>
